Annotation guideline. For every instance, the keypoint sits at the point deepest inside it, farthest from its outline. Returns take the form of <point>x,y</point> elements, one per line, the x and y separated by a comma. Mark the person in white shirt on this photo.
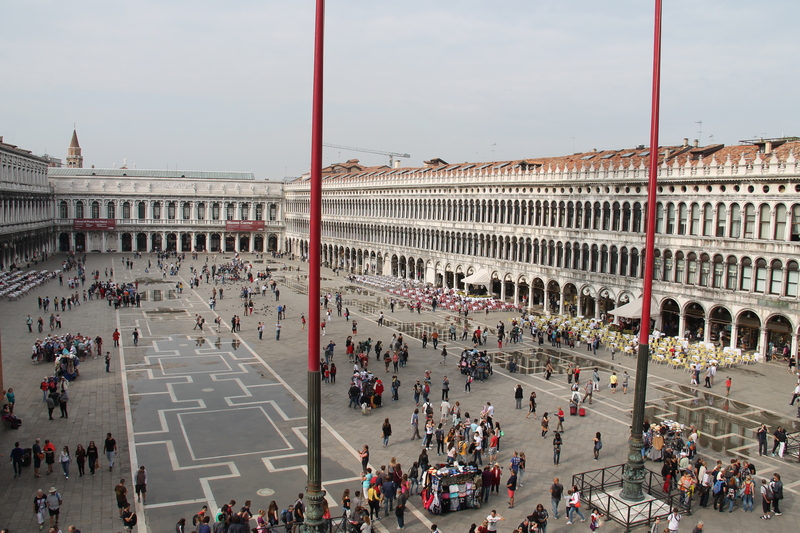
<point>493,519</point>
<point>673,520</point>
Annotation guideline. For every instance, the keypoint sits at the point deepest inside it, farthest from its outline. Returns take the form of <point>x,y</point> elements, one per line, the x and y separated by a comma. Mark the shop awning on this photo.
<point>481,277</point>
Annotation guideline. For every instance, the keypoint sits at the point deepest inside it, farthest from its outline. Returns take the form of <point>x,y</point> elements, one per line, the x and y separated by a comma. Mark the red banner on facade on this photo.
<point>244,225</point>
<point>95,224</point>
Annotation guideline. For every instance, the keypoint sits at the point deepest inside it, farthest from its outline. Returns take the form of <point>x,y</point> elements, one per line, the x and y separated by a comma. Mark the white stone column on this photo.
<point>734,334</point>
<point>561,302</point>
<point>681,325</point>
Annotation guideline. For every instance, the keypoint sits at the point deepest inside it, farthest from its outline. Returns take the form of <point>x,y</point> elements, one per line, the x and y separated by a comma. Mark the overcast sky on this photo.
<point>226,85</point>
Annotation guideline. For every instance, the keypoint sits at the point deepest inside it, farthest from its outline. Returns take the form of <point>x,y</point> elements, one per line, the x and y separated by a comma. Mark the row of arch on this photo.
<point>169,210</point>
<point>773,221</point>
<point>166,241</point>
<point>745,328</point>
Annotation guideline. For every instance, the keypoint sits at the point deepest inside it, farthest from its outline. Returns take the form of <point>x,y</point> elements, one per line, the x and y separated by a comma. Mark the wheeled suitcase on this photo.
<point>26,457</point>
<point>573,409</point>
<point>582,411</point>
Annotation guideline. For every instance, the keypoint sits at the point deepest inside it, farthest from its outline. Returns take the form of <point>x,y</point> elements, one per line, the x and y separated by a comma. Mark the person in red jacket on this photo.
<point>116,336</point>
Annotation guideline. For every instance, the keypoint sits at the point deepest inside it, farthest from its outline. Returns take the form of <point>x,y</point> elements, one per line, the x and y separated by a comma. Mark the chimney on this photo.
<point>767,147</point>
<point>396,164</point>
<point>685,142</point>
<point>594,150</point>
<point>696,143</point>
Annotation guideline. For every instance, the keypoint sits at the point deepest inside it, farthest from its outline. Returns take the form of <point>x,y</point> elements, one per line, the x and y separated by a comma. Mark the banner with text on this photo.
<point>95,224</point>
<point>244,225</point>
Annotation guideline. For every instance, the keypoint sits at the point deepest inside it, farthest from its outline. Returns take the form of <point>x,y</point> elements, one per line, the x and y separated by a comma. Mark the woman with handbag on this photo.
<point>574,505</point>
<point>92,455</point>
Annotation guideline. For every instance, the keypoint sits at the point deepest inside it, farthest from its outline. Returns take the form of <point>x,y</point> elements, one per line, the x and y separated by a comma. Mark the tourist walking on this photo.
<point>110,449</point>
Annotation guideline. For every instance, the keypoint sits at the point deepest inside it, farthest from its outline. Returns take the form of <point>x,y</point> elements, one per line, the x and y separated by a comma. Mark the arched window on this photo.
<point>229,211</point>
<point>201,211</point>
<point>614,261</point>
<point>708,217</point>
<point>694,229</point>
<point>722,220</point>
<point>260,211</point>
<point>730,283</point>
<point>171,210</point>
<point>780,223</point>
<point>747,274</point>
<point>719,270</point>
<point>749,221</point>
<point>705,269</point>
<point>111,210</point>
<point>215,211</point>
<point>776,278</point>
<point>667,266</point>
<point>157,210</point>
<point>598,216</point>
<point>736,221</point>
<point>670,230</point>
<point>680,267</point>
<point>273,212</point>
<point>186,211</point>
<point>626,217</point>
<point>142,210</point>
<point>95,209</point>
<point>615,221</point>
<point>126,211</point>
<point>585,258</point>
<point>79,209</point>
<point>244,211</point>
<point>63,209</point>
<point>761,276</point>
<point>795,223</point>
<point>683,217</point>
<point>764,221</point>
<point>659,218</point>
<point>634,263</point>
<point>623,261</point>
<point>637,218</point>
<point>691,268</point>
<point>792,278</point>
<point>546,213</point>
<point>579,215</point>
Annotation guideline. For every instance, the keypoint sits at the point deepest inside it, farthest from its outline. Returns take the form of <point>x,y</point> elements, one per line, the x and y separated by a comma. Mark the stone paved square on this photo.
<point>240,403</point>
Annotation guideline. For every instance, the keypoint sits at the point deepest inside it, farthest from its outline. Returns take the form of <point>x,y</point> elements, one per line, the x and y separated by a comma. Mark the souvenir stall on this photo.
<point>452,488</point>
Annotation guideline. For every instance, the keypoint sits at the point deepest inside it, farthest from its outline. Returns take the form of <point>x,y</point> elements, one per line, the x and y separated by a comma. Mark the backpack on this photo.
<point>132,520</point>
<point>196,519</point>
<point>598,445</point>
<point>286,516</point>
<point>718,486</point>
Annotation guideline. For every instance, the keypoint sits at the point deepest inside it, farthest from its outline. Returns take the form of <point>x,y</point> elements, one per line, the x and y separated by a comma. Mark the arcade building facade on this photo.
<point>566,234</point>
<point>130,210</point>
<point>26,206</point>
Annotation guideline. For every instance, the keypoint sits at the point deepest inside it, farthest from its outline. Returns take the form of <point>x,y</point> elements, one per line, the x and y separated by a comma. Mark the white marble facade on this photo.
<point>566,234</point>
<point>180,211</point>
<point>26,207</point>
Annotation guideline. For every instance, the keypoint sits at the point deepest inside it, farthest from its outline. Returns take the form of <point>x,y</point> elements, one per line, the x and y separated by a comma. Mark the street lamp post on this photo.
<point>633,472</point>
<point>314,494</point>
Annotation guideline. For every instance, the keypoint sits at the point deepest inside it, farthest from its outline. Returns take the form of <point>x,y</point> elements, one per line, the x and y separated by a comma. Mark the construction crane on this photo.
<point>391,155</point>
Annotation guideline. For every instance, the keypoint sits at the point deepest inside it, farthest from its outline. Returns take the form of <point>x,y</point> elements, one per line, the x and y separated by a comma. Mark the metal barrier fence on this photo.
<point>598,490</point>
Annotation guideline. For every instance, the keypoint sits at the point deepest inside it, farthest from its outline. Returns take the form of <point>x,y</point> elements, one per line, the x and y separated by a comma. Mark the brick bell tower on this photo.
<point>74,157</point>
